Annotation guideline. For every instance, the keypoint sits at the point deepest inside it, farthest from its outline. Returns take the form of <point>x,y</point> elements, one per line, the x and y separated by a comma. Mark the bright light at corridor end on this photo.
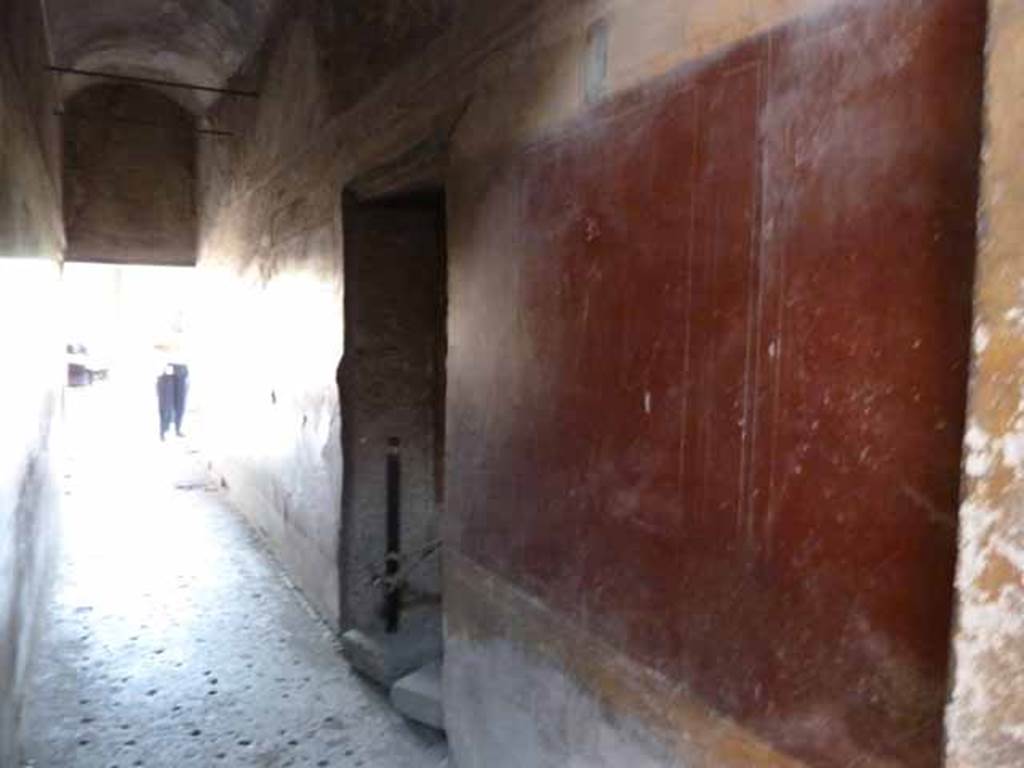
<point>28,351</point>
<point>123,325</point>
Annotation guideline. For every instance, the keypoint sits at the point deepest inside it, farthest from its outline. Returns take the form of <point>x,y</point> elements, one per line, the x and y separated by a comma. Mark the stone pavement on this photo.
<point>174,641</point>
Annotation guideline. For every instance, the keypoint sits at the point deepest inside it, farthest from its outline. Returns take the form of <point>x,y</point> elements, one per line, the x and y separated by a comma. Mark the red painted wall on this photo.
<point>707,373</point>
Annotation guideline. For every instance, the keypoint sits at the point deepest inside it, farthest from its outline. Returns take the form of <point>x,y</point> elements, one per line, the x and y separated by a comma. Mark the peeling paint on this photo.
<point>985,715</point>
<point>1013,452</point>
<point>980,451</point>
<point>982,338</point>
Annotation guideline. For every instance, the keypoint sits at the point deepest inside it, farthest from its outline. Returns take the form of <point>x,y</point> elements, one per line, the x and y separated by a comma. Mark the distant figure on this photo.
<point>171,391</point>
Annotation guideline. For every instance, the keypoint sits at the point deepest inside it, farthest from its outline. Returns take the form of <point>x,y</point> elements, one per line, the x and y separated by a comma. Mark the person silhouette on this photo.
<point>171,389</point>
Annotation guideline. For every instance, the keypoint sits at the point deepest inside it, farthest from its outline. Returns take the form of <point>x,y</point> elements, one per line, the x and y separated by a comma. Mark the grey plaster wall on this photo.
<point>30,245</point>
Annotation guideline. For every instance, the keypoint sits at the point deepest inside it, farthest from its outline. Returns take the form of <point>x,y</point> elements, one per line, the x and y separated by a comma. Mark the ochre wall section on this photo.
<point>985,719</point>
<point>707,375</point>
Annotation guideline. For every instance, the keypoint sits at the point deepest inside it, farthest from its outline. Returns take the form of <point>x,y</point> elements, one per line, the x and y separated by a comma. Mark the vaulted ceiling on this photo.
<point>195,41</point>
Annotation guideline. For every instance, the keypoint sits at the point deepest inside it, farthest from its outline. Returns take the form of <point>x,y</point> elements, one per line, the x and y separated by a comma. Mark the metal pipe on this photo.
<point>393,596</point>
<point>130,121</point>
<point>154,81</point>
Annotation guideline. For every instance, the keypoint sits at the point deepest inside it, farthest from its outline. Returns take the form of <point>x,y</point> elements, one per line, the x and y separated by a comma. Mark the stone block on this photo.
<point>418,696</point>
<point>387,658</point>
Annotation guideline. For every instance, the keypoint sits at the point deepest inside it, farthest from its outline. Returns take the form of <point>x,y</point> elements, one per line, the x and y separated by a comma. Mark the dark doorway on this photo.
<point>392,386</point>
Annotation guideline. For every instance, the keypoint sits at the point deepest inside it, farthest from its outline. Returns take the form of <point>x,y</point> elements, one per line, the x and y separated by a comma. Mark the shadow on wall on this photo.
<point>129,177</point>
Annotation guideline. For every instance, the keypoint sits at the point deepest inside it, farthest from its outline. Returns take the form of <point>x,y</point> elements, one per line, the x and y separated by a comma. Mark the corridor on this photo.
<point>172,638</point>
<point>617,383</point>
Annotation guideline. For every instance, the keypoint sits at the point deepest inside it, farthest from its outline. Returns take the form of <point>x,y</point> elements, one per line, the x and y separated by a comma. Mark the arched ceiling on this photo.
<point>194,41</point>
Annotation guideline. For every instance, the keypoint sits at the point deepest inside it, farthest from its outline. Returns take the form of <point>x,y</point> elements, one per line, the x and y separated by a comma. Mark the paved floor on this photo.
<point>174,641</point>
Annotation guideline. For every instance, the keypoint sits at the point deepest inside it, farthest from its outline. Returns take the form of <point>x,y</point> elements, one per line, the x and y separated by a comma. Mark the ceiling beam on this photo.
<point>154,81</point>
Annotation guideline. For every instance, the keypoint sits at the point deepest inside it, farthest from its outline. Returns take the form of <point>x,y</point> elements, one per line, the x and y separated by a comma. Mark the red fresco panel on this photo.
<point>707,374</point>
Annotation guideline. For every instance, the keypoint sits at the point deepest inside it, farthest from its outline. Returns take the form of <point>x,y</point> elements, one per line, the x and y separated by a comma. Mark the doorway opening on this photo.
<point>392,393</point>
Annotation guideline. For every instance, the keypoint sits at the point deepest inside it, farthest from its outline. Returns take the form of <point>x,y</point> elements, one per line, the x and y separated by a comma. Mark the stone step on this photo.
<point>418,696</point>
<point>387,658</point>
